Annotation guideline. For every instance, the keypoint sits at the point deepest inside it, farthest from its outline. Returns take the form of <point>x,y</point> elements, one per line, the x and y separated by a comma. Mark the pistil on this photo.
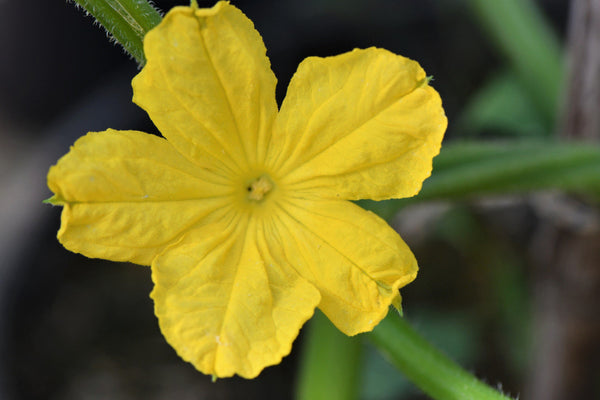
<point>259,188</point>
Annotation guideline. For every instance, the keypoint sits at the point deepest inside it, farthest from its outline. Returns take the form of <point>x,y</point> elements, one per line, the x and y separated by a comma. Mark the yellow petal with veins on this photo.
<point>355,259</point>
<point>127,195</point>
<point>224,303</point>
<point>361,125</point>
<point>208,86</point>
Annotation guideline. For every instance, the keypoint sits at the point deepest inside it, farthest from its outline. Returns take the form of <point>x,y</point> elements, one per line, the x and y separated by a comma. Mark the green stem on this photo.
<point>527,40</point>
<point>425,366</point>
<point>127,21</point>
<point>331,363</point>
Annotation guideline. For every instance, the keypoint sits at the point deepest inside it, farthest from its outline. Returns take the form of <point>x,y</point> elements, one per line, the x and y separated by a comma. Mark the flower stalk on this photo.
<point>425,366</point>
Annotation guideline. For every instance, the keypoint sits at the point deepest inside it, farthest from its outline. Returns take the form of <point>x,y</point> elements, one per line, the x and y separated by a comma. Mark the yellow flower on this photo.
<point>242,209</point>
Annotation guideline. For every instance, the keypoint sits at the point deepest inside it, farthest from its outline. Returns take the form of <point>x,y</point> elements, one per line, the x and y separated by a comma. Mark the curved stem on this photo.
<point>425,366</point>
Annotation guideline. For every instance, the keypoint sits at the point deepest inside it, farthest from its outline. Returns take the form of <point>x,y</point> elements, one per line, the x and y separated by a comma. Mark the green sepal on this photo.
<point>397,304</point>
<point>53,200</point>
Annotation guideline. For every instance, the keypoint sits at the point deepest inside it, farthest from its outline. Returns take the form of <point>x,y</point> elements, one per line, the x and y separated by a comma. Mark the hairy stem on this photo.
<point>425,366</point>
<point>127,22</point>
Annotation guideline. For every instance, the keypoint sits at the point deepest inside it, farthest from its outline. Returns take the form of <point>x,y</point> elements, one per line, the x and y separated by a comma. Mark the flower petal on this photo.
<point>353,257</point>
<point>223,303</point>
<point>127,195</point>
<point>363,124</point>
<point>208,86</point>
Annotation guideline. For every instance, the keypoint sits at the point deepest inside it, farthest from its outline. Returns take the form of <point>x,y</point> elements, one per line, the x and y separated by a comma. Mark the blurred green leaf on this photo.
<point>502,283</point>
<point>502,107</point>
<point>523,35</point>
<point>466,170</point>
<point>472,169</point>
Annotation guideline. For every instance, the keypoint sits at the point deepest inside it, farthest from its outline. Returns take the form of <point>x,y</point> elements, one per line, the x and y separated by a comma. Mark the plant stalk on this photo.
<point>425,366</point>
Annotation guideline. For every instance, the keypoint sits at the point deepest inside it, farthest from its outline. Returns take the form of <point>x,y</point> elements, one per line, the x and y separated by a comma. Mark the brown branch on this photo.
<point>567,257</point>
<point>581,119</point>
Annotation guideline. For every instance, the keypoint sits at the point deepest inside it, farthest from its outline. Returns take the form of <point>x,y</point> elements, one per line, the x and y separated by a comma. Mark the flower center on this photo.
<point>259,188</point>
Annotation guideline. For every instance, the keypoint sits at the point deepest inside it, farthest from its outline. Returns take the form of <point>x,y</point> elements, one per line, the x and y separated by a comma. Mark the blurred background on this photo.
<point>490,291</point>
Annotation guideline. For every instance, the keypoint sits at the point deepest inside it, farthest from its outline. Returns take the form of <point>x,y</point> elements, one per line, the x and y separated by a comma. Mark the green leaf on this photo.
<point>503,107</point>
<point>525,38</point>
<point>466,170</point>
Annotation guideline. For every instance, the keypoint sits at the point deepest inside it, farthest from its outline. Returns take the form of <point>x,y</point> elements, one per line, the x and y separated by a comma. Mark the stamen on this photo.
<point>259,188</point>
